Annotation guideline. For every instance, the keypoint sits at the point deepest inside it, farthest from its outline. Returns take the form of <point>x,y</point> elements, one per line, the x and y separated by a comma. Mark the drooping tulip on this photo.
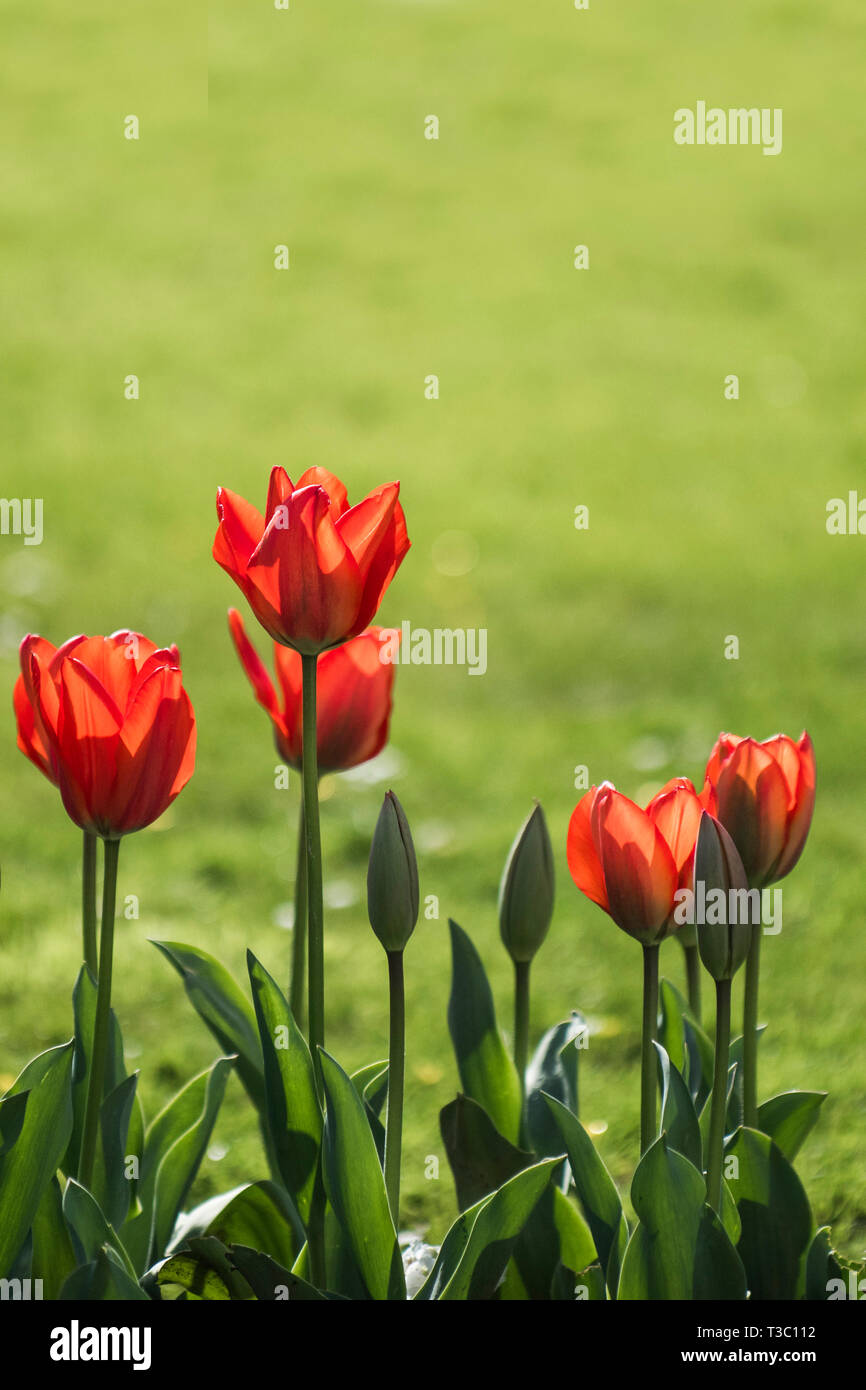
<point>107,720</point>
<point>354,698</point>
<point>313,569</point>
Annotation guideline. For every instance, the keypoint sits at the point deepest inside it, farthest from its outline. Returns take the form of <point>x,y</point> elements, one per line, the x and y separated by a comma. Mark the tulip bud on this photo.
<point>526,890</point>
<point>392,877</point>
<point>724,940</point>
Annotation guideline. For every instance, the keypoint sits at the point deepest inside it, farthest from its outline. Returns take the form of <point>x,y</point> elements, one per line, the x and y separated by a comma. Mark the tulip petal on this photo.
<point>337,495</point>
<point>753,808</point>
<point>584,864</point>
<point>639,869</point>
<point>354,702</point>
<point>801,808</point>
<point>676,812</point>
<point>375,532</point>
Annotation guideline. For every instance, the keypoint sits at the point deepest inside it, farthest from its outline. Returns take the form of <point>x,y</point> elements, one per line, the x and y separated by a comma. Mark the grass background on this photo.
<point>558,387</point>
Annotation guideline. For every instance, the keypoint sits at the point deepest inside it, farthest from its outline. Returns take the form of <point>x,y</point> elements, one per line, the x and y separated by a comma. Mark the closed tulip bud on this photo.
<point>722,892</point>
<point>392,877</point>
<point>526,890</point>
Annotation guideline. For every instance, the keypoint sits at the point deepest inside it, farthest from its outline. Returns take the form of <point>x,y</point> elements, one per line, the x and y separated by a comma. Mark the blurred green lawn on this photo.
<point>558,387</point>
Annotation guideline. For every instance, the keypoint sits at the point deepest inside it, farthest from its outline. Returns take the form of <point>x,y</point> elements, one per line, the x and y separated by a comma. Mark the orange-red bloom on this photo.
<point>313,569</point>
<point>108,721</point>
<point>765,794</point>
<point>353,698</point>
<point>632,861</point>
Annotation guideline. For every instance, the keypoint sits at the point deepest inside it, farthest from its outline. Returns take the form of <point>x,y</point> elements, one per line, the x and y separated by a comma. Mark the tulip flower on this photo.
<point>392,906</point>
<point>108,721</point>
<point>313,569</point>
<point>354,698</point>
<point>620,858</point>
<point>765,794</point>
<point>525,910</point>
<point>677,810</point>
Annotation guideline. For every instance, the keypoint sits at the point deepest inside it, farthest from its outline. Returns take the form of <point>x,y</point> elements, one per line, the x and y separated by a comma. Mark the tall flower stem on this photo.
<point>693,979</point>
<point>102,1022</point>
<point>648,1052</point>
<point>316,971</point>
<point>396,1072</point>
<point>750,1030</point>
<point>88,901</point>
<point>720,1094</point>
<point>299,938</point>
<point>521,1019</point>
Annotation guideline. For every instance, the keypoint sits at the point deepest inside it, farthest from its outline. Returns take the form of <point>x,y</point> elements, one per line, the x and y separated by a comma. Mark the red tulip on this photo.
<point>353,698</point>
<point>108,721</point>
<point>765,795</point>
<point>313,569</point>
<point>618,857</point>
<point>676,811</point>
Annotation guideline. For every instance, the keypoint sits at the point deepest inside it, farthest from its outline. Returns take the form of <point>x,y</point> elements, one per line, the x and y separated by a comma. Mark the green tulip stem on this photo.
<point>750,1031</point>
<point>316,975</point>
<point>693,979</point>
<point>396,1073</point>
<point>648,1052</point>
<point>719,1103</point>
<point>521,1020</point>
<point>299,939</point>
<point>88,901</point>
<point>102,1022</point>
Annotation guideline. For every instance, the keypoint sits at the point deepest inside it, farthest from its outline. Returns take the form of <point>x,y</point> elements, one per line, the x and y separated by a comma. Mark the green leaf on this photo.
<point>222,1005</point>
<point>111,1187</point>
<point>196,1275</point>
<point>12,1109</point>
<point>596,1192</point>
<point>27,1167</point>
<point>270,1282</point>
<point>487,1073</point>
<point>356,1186</point>
<point>707,1109</point>
<point>830,1277</point>
<point>371,1083</point>
<point>686,1043</point>
<point>678,1119</point>
<point>294,1115</point>
<point>84,1015</point>
<point>774,1213</point>
<point>53,1258</point>
<point>554,1244</point>
<point>261,1216</point>
<point>174,1147</point>
<point>679,1249</point>
<point>788,1118</point>
<point>589,1286</point>
<point>88,1224</point>
<point>735,1113</point>
<point>553,1072</point>
<point>122,1285</point>
<point>497,1223</point>
<point>480,1158</point>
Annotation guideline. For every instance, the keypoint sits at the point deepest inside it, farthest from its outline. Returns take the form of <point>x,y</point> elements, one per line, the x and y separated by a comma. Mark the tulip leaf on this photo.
<point>222,1005</point>
<point>679,1249</point>
<point>29,1164</point>
<point>270,1282</point>
<point>123,1286</point>
<point>735,1113</point>
<point>553,1072</point>
<point>596,1192</point>
<point>371,1083</point>
<point>261,1216</point>
<point>293,1112</point>
<point>89,1227</point>
<point>487,1073</point>
<point>174,1147</point>
<point>484,1238</point>
<point>788,1119</point>
<point>589,1286</point>
<point>678,1119</point>
<point>481,1159</point>
<point>774,1214</point>
<point>12,1111</point>
<point>111,1186</point>
<point>356,1186</point>
<point>196,1275</point>
<point>830,1277</point>
<point>53,1258</point>
<point>707,1109</point>
<point>554,1244</point>
<point>84,1015</point>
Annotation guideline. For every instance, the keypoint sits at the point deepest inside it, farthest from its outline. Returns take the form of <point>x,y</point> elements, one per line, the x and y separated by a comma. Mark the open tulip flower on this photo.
<point>354,698</point>
<point>313,569</point>
<point>765,795</point>
<point>108,721</point>
<point>632,861</point>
